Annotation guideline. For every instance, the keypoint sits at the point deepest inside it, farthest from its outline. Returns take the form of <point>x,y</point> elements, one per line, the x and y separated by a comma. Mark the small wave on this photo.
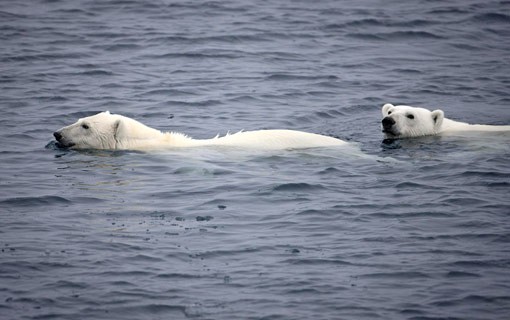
<point>463,201</point>
<point>408,71</point>
<point>143,258</point>
<point>330,170</point>
<point>373,22</point>
<point>472,299</point>
<point>308,291</point>
<point>141,311</point>
<point>414,185</point>
<point>54,98</point>
<point>482,263</point>
<point>492,17</point>
<point>38,301</point>
<point>97,72</point>
<point>52,145</point>
<point>165,93</point>
<point>192,55</point>
<point>300,186</point>
<point>177,276</point>
<point>233,38</point>
<point>365,36</point>
<point>34,201</point>
<point>502,238</point>
<point>118,47</point>
<point>204,103</point>
<point>462,274</point>
<point>482,174</point>
<point>167,39</point>
<point>397,35</point>
<point>45,56</point>
<point>245,99</point>
<point>75,12</point>
<point>412,214</point>
<point>5,14</point>
<point>466,46</point>
<point>106,35</point>
<point>447,10</point>
<point>317,261</point>
<point>329,114</point>
<point>357,23</point>
<point>396,275</point>
<point>61,284</point>
<point>287,76</point>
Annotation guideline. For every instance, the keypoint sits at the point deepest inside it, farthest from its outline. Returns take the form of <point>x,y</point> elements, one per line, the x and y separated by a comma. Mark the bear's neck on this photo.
<point>449,125</point>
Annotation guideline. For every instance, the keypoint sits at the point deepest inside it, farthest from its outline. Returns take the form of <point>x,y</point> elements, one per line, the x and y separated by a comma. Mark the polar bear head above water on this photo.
<point>103,131</point>
<point>95,132</point>
<point>116,132</point>
<point>408,122</point>
<point>405,121</point>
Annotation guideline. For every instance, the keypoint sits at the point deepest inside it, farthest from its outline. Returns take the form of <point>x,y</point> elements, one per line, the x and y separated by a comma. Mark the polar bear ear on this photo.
<point>437,117</point>
<point>386,107</point>
<point>119,129</point>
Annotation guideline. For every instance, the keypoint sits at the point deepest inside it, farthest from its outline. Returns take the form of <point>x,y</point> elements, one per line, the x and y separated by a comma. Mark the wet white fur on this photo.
<point>426,122</point>
<point>116,132</point>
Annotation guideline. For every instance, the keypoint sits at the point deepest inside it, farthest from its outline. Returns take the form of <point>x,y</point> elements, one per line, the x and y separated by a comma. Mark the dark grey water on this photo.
<point>213,234</point>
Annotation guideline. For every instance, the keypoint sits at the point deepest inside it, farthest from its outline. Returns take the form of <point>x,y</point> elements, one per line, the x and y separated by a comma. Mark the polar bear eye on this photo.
<point>389,112</point>
<point>410,116</point>
<point>85,126</point>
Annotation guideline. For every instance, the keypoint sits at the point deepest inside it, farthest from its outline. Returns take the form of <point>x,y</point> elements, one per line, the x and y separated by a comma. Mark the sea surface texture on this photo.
<point>404,229</point>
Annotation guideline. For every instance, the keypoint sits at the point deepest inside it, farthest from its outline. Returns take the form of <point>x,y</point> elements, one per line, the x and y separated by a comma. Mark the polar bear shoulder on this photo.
<point>406,122</point>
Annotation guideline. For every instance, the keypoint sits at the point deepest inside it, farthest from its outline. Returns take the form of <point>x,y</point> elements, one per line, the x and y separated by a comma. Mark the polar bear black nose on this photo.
<point>57,135</point>
<point>388,122</point>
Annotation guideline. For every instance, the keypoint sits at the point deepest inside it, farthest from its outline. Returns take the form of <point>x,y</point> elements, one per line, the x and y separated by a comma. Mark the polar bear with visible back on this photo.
<point>115,132</point>
<point>408,122</point>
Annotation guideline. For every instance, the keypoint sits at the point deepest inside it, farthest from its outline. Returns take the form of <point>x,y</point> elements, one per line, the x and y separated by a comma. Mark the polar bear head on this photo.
<point>94,132</point>
<point>407,122</point>
<point>104,131</point>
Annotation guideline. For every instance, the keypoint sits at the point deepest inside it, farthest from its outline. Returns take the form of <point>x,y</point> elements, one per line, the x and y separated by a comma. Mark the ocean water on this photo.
<point>405,229</point>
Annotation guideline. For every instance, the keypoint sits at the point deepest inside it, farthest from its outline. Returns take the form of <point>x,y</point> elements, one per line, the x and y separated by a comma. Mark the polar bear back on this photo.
<point>456,126</point>
<point>275,139</point>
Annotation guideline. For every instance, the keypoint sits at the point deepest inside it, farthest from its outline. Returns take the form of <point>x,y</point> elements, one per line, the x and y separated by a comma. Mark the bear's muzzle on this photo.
<point>387,123</point>
<point>61,142</point>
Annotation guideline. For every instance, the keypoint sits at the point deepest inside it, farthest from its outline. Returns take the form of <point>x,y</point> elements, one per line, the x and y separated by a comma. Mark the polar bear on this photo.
<point>116,132</point>
<point>408,122</point>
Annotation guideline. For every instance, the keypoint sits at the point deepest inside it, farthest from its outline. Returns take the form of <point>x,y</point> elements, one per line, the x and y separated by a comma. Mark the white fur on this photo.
<point>116,132</point>
<point>408,122</point>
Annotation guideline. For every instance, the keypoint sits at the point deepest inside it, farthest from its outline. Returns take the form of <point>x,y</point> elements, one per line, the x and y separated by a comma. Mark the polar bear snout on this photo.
<point>61,141</point>
<point>57,135</point>
<point>387,123</point>
<point>390,127</point>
